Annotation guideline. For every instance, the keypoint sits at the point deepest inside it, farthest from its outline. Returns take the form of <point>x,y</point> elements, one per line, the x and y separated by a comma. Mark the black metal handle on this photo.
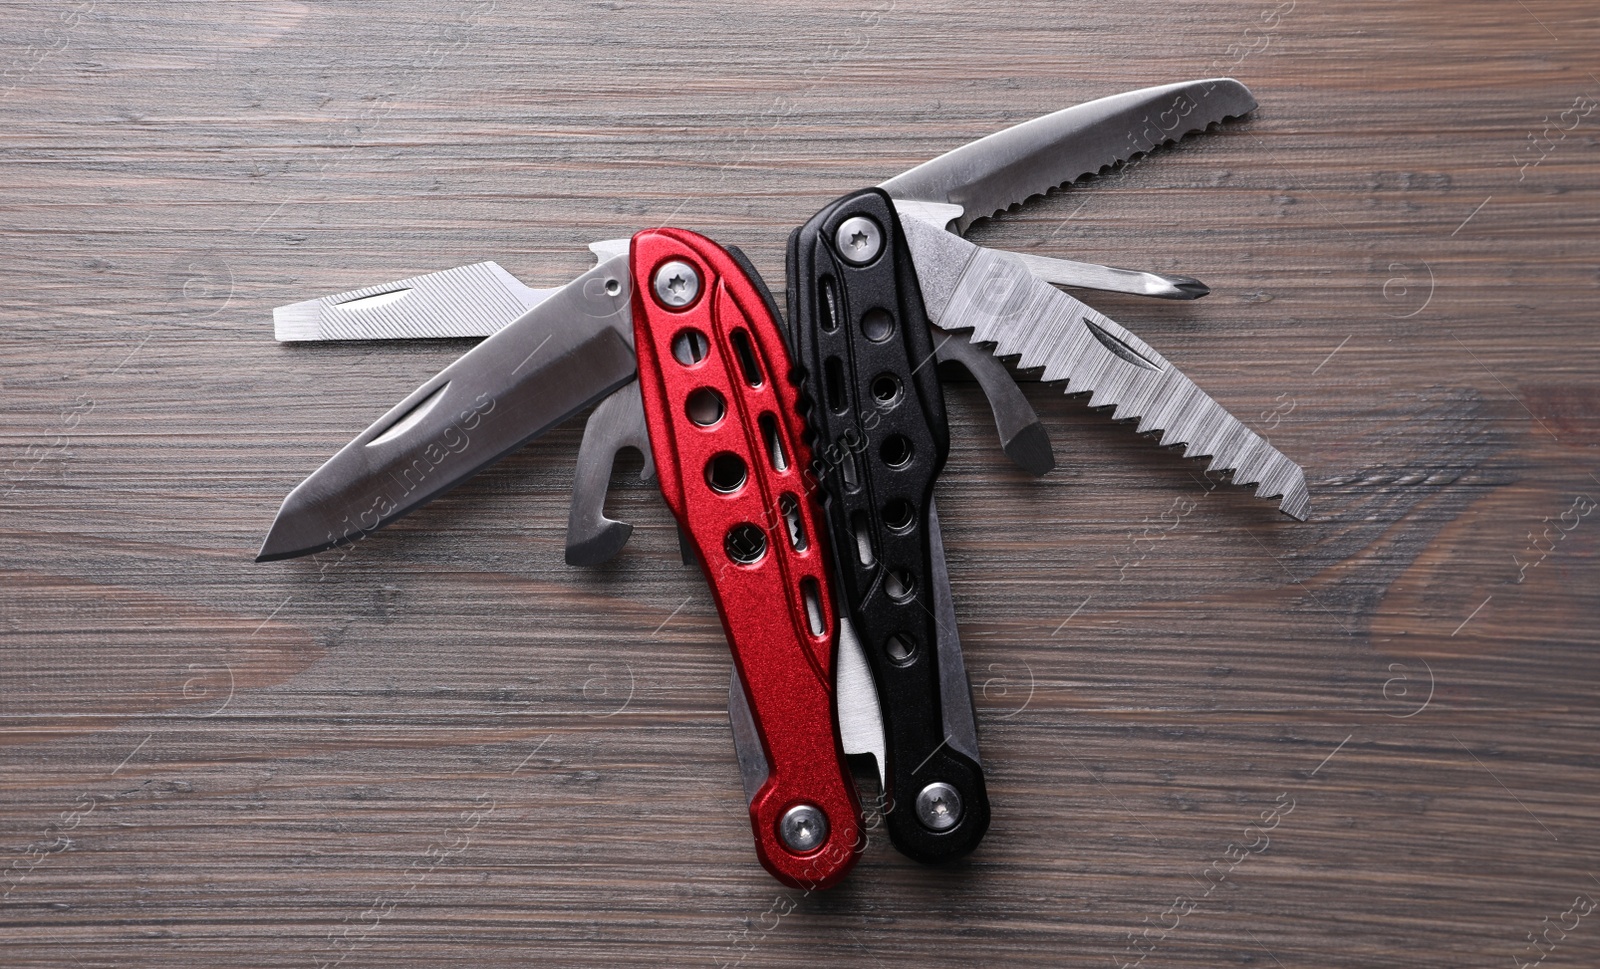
<point>873,402</point>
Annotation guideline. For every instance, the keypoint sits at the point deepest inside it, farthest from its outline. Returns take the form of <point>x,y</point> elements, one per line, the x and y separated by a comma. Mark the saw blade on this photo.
<point>1009,167</point>
<point>993,295</point>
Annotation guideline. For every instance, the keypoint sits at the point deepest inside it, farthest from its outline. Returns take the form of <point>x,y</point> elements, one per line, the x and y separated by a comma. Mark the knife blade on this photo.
<point>569,351</point>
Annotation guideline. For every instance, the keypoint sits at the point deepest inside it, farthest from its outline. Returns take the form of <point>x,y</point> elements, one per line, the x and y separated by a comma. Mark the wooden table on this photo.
<point>447,748</point>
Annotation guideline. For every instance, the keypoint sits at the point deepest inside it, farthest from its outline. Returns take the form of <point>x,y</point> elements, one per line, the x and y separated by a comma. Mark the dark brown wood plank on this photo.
<point>448,748</point>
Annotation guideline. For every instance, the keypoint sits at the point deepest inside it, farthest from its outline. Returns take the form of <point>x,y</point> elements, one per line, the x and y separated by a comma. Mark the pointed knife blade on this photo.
<point>1006,168</point>
<point>993,295</point>
<point>569,351</point>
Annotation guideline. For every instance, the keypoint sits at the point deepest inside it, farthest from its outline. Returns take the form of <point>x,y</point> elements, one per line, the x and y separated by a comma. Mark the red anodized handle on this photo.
<point>725,434</point>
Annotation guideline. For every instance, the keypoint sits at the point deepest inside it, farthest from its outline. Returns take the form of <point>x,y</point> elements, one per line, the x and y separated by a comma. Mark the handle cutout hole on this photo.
<point>745,544</point>
<point>813,599</point>
<point>726,473</point>
<point>789,505</point>
<point>769,435</point>
<point>705,407</point>
<point>877,325</point>
<point>896,451</point>
<point>863,532</point>
<point>900,585</point>
<point>828,305</point>
<point>886,388</point>
<point>833,384</point>
<point>901,648</point>
<point>899,515</point>
<point>689,347</point>
<point>747,357</point>
<point>848,472</point>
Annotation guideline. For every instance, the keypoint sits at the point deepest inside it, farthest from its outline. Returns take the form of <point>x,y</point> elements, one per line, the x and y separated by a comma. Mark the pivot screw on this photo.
<point>859,240</point>
<point>803,828</point>
<point>677,284</point>
<point>939,807</point>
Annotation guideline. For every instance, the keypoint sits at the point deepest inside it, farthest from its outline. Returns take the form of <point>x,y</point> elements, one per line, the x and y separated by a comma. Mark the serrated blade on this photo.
<point>1009,167</point>
<point>992,294</point>
<point>566,353</point>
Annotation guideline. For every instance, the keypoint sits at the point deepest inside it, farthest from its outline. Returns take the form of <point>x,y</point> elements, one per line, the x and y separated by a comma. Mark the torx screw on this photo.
<point>859,240</point>
<point>677,284</point>
<point>939,807</point>
<point>803,828</point>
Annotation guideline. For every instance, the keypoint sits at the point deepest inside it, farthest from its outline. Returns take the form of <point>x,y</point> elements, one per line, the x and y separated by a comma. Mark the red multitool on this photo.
<point>725,434</point>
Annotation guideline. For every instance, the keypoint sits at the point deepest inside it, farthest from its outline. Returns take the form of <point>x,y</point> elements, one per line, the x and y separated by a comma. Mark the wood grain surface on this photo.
<point>447,748</point>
